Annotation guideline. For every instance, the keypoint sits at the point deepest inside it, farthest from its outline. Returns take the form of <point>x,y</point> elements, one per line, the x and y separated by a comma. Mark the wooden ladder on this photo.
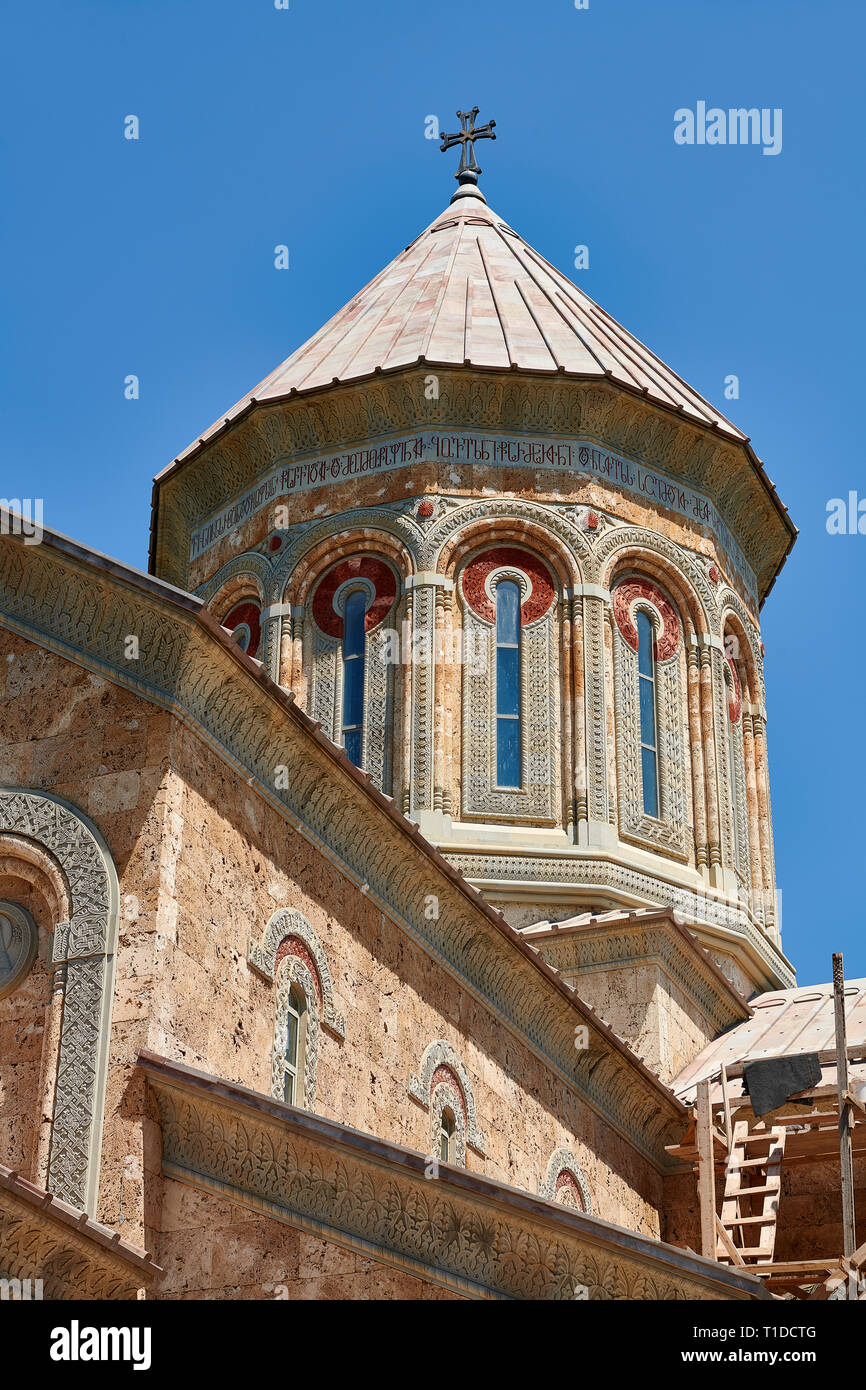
<point>750,1206</point>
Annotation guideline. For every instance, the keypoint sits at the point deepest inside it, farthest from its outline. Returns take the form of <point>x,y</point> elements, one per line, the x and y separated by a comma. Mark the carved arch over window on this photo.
<point>443,1083</point>
<point>83,958</point>
<point>285,927</point>
<point>236,597</point>
<point>565,1182</point>
<point>511,697</point>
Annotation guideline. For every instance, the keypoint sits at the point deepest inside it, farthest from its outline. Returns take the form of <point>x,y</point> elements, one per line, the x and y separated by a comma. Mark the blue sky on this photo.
<point>306,127</point>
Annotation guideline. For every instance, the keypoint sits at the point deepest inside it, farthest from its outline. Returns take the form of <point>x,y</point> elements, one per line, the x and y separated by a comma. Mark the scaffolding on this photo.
<point>738,1159</point>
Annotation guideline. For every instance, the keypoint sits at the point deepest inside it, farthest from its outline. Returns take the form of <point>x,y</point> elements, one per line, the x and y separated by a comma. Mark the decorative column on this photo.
<point>693,676</point>
<point>594,602</point>
<point>273,625</point>
<point>569,809</point>
<point>427,704</point>
<point>765,832</point>
<point>725,772</point>
<point>711,778</point>
<point>578,771</point>
<point>752,811</point>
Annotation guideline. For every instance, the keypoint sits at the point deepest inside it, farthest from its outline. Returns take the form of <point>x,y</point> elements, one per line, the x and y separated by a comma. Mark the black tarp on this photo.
<point>773,1080</point>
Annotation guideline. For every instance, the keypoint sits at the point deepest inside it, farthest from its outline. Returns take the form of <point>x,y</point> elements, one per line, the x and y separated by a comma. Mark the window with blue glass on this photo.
<point>508,684</point>
<point>647,687</point>
<point>353,673</point>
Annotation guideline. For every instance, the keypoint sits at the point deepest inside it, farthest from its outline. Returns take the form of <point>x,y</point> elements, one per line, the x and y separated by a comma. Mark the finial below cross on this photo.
<point>465,137</point>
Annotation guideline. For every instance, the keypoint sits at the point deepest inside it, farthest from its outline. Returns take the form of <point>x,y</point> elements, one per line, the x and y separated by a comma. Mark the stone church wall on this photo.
<point>203,864</point>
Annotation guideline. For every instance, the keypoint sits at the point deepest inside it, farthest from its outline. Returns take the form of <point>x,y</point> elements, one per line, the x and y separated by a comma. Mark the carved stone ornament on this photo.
<point>562,1166</point>
<point>285,924</point>
<point>459,1230</point>
<point>84,952</point>
<point>440,1058</point>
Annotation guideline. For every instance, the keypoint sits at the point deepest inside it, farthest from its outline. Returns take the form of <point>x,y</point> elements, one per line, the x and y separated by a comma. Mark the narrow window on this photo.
<point>353,673</point>
<point>508,684</point>
<point>295,1040</point>
<point>647,684</point>
<point>446,1135</point>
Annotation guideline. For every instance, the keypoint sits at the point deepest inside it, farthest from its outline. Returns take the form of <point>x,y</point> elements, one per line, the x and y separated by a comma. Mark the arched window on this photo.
<point>447,1128</point>
<point>508,684</point>
<point>510,705</point>
<point>296,1040</point>
<point>348,651</point>
<point>647,692</point>
<point>353,673</point>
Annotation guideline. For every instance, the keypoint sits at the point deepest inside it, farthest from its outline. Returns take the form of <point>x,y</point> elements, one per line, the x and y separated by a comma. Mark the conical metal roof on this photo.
<point>470,291</point>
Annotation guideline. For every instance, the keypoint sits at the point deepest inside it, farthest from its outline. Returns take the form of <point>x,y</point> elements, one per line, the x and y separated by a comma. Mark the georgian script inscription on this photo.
<point>576,457</point>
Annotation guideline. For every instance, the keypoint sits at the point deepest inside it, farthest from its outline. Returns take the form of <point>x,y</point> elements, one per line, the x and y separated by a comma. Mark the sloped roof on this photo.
<point>783,1022</point>
<point>470,291</point>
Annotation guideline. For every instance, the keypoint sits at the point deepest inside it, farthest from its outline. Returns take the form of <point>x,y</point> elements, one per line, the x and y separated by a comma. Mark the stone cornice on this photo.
<point>642,938</point>
<point>227,463</point>
<point>83,610</point>
<point>76,1258</point>
<point>458,1230</point>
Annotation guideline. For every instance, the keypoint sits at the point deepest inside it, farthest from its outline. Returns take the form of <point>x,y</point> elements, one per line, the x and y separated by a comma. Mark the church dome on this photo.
<point>513,565</point>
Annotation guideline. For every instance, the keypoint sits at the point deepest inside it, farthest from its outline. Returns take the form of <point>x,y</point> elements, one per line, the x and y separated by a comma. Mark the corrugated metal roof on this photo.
<point>469,290</point>
<point>782,1023</point>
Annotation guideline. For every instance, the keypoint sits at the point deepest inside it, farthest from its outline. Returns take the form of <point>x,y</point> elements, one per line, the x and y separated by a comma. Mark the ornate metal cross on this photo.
<point>465,137</point>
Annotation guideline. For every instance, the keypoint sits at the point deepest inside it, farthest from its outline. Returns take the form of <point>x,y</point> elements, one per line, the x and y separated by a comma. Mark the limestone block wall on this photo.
<point>209,1248</point>
<point>643,1005</point>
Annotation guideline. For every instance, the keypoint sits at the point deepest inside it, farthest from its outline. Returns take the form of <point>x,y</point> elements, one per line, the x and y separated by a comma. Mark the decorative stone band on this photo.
<point>564,1171</point>
<point>74,1257</point>
<point>459,1231</point>
<point>440,1057</point>
<point>84,952</point>
<point>575,871</point>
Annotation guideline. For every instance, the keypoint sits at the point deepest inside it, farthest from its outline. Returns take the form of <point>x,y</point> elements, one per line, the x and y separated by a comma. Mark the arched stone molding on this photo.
<point>244,576</point>
<point>454,539</point>
<point>731,604</point>
<point>492,521</point>
<point>562,1163</point>
<point>83,956</point>
<point>25,860</point>
<point>282,926</point>
<point>293,971</point>
<point>300,569</point>
<point>391,532</point>
<point>439,1059</point>
<point>661,559</point>
<point>446,1095</point>
<point>633,550</point>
